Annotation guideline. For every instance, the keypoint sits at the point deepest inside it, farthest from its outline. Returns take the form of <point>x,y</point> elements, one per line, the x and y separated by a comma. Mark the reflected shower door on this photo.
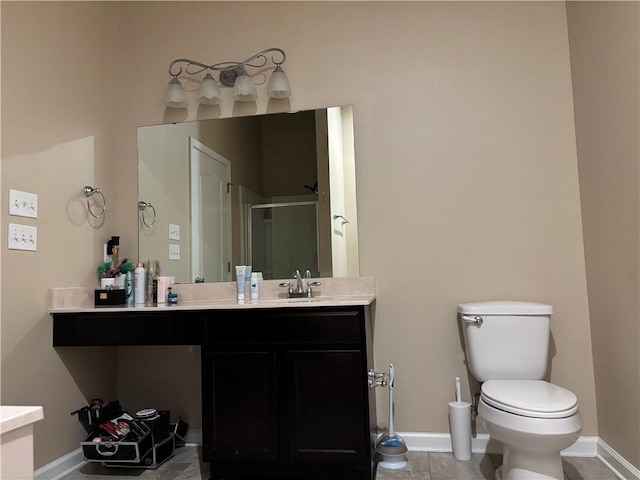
<point>283,237</point>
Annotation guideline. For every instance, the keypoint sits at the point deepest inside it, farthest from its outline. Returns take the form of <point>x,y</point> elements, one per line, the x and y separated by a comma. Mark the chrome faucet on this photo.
<point>301,289</point>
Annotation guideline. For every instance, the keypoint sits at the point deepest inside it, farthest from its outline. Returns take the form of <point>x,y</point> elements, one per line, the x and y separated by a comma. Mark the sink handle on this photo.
<point>288,286</point>
<point>310,290</point>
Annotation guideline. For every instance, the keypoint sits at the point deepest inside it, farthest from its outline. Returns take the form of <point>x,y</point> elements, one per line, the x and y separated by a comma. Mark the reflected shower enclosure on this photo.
<point>283,237</point>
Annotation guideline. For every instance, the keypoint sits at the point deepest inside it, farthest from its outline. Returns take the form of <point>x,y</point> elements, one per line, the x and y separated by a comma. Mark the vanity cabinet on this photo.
<point>240,409</point>
<point>284,389</point>
<point>285,395</point>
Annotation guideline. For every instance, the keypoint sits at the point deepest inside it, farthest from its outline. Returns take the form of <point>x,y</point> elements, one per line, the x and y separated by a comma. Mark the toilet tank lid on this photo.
<point>505,308</point>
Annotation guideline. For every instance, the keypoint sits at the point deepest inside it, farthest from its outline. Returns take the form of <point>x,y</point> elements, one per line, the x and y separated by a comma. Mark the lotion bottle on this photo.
<point>240,279</point>
<point>139,285</point>
<point>255,287</point>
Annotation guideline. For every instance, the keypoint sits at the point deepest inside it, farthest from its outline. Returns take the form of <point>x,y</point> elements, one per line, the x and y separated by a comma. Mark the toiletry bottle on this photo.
<point>172,298</point>
<point>240,279</point>
<point>255,290</point>
<point>128,288</point>
<point>148,298</point>
<point>156,274</point>
<point>115,249</point>
<point>138,285</point>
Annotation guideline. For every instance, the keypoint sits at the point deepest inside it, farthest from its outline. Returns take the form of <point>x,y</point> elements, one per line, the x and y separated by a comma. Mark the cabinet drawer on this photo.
<point>101,329</point>
<point>286,327</point>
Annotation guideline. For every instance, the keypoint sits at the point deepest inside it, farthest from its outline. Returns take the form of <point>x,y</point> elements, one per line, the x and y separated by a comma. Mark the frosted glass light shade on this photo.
<point>244,89</point>
<point>175,96</point>
<point>278,85</point>
<point>209,93</point>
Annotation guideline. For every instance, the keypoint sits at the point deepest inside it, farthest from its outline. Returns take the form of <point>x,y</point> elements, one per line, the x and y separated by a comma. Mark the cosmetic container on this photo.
<point>255,286</point>
<point>128,288</point>
<point>172,298</point>
<point>240,279</point>
<point>138,285</point>
<point>163,288</point>
<point>148,297</point>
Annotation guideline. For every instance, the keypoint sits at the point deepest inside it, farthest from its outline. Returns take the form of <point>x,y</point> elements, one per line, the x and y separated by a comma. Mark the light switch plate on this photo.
<point>174,252</point>
<point>174,232</point>
<point>23,204</point>
<point>22,237</point>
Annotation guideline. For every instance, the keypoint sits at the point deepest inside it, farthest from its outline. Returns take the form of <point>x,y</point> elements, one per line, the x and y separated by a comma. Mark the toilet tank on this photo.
<point>510,342</point>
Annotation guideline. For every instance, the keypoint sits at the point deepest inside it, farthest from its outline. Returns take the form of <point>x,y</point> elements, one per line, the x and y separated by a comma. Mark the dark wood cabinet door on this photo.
<point>325,397</point>
<point>239,406</point>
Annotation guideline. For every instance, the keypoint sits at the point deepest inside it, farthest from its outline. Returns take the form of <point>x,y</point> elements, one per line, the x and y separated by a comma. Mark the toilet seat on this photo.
<point>530,398</point>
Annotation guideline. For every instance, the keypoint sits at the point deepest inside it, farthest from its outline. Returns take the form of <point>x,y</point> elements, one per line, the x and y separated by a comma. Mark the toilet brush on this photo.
<point>460,425</point>
<point>391,446</point>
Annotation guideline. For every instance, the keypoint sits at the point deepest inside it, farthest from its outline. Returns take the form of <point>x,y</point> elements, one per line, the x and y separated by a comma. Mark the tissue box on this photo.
<point>109,297</point>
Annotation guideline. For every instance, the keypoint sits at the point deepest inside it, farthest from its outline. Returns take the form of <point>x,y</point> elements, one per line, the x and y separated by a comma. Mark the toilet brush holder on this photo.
<point>460,425</point>
<point>392,449</point>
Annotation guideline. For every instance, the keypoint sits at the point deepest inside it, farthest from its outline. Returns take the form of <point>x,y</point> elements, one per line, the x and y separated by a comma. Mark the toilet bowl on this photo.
<point>534,420</point>
<point>507,350</point>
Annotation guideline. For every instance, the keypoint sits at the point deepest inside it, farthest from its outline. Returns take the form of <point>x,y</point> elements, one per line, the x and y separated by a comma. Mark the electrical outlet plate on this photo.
<point>105,257</point>
<point>174,252</point>
<point>23,204</point>
<point>174,232</point>
<point>22,237</point>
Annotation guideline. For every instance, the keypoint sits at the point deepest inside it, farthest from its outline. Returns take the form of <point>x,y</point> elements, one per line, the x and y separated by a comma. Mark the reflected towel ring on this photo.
<point>89,192</point>
<point>142,206</point>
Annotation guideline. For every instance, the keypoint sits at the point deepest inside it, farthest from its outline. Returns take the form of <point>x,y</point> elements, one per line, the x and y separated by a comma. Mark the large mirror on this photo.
<point>275,191</point>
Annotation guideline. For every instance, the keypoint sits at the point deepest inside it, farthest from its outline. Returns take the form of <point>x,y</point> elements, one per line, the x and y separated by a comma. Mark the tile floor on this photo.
<point>186,465</point>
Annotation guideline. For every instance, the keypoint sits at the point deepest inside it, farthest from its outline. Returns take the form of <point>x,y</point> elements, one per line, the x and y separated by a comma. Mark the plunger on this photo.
<point>391,446</point>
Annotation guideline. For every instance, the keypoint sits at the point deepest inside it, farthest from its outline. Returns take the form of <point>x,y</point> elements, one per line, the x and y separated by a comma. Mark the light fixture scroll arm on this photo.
<point>263,54</point>
<point>189,63</point>
<point>224,65</point>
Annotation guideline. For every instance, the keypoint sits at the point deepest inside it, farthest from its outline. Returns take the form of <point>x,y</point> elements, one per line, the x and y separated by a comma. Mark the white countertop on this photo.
<point>13,417</point>
<point>223,304</point>
<point>349,291</point>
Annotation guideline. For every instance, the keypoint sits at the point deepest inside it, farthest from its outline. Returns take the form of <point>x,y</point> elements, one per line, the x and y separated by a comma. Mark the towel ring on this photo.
<point>142,206</point>
<point>89,192</point>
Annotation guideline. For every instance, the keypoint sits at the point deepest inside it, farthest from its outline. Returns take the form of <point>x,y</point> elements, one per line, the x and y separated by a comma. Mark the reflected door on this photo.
<point>210,217</point>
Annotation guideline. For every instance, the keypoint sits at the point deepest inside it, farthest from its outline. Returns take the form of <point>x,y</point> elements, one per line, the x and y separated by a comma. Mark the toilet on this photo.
<point>507,348</point>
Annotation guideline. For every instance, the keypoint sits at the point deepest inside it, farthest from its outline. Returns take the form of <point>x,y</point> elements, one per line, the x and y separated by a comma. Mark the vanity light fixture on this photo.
<point>232,74</point>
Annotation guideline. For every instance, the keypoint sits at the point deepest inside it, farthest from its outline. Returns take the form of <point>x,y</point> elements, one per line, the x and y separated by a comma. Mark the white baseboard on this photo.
<point>416,442</point>
<point>61,466</point>
<point>75,460</point>
<point>481,443</point>
<point>616,462</point>
<point>584,447</point>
